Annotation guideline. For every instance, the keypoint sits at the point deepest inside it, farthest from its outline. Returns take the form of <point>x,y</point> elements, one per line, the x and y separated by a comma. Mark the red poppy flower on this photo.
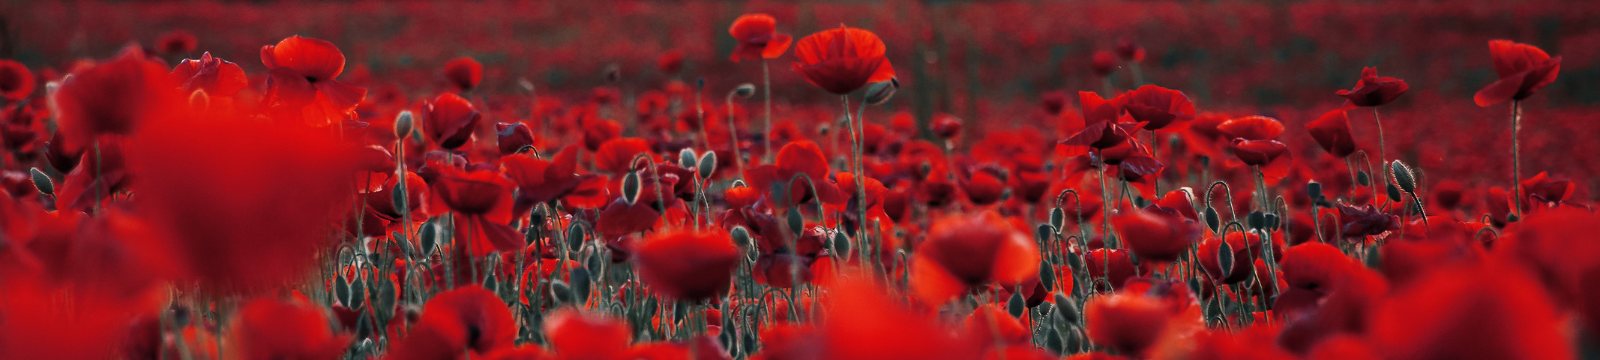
<point>1499,203</point>
<point>842,60</point>
<point>1258,152</point>
<point>450,120</point>
<point>464,73</point>
<point>796,158</point>
<point>248,205</point>
<point>216,76</point>
<point>758,38</point>
<point>1332,132</point>
<point>1158,107</point>
<point>1314,266</point>
<point>1103,63</point>
<point>783,271</point>
<point>1155,236</point>
<point>617,156</point>
<point>1179,202</point>
<point>670,62</point>
<point>1116,261</point>
<point>967,251</point>
<point>596,133</point>
<point>1252,128</point>
<point>541,180</point>
<point>1129,51</point>
<point>946,127</point>
<point>1360,222</point>
<point>302,71</point>
<point>1523,69</point>
<point>1372,90</point>
<point>1104,126</point>
<point>1128,323</point>
<point>113,98</point>
<point>512,137</point>
<point>990,319</point>
<point>176,42</point>
<point>20,127</point>
<point>483,199</point>
<point>16,82</point>
<point>688,266</point>
<point>1543,189</point>
<point>469,318</point>
<point>271,329</point>
<point>882,327</point>
<point>984,187</point>
<point>576,334</point>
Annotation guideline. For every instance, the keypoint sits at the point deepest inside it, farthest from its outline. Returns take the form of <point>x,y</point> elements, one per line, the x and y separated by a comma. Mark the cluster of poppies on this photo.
<point>202,211</point>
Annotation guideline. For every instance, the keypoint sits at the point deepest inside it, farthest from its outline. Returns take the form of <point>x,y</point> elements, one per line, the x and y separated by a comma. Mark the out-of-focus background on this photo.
<point>984,61</point>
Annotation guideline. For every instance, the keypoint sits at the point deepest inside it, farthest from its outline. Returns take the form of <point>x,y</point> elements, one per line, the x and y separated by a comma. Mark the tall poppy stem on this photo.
<point>1516,157</point>
<point>1383,157</point>
<point>733,135</point>
<point>766,89</point>
<point>1105,221</point>
<point>1153,146</point>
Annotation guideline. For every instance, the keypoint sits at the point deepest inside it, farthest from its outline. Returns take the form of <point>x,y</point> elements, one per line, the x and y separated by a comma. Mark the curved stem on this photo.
<point>1106,219</point>
<point>1383,158</point>
<point>1153,146</point>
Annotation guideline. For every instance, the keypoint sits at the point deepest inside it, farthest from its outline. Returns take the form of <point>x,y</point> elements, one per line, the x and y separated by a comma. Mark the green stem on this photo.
<point>1516,157</point>
<point>766,88</point>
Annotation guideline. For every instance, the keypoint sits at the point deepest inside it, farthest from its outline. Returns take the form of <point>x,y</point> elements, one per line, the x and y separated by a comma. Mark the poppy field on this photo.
<point>895,179</point>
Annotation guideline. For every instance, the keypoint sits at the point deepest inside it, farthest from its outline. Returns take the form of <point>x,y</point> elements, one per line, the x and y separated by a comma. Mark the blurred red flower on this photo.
<point>842,60</point>
<point>464,73</point>
<point>579,335</point>
<point>113,98</point>
<point>176,42</point>
<point>966,251</point>
<point>247,203</point>
<point>482,198</point>
<point>1332,133</point>
<point>466,320</point>
<point>758,38</point>
<point>16,82</point>
<point>1155,236</point>
<point>1129,323</point>
<point>216,76</point>
<point>686,265</point>
<point>1523,69</point>
<point>1103,63</point>
<point>1372,90</point>
<point>267,329</point>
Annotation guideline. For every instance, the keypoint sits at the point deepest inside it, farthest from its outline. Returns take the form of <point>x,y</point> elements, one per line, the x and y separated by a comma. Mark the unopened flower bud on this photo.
<point>403,124</point>
<point>744,90</point>
<point>881,92</point>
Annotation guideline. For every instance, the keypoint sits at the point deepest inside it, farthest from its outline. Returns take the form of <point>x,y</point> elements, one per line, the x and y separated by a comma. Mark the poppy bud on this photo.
<point>1016,306</point>
<point>42,182</point>
<point>741,236</point>
<point>1393,192</point>
<point>1404,177</point>
<point>744,90</point>
<point>1361,178</point>
<point>880,92</point>
<point>708,164</point>
<point>1067,309</point>
<point>1314,189</point>
<point>796,224</point>
<point>1225,259</point>
<point>513,137</point>
<point>1044,233</point>
<point>631,187</point>
<point>1057,218</point>
<point>686,158</point>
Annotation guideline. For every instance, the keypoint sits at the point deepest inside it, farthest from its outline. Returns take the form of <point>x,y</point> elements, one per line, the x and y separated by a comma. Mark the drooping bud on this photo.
<point>741,236</point>
<point>1225,259</point>
<point>745,90</point>
<point>880,92</point>
<point>42,182</point>
<point>1404,177</point>
<point>631,187</point>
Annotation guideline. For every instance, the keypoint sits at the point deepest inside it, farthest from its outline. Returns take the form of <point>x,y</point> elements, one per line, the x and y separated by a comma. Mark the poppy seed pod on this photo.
<point>403,124</point>
<point>880,92</point>
<point>744,90</point>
